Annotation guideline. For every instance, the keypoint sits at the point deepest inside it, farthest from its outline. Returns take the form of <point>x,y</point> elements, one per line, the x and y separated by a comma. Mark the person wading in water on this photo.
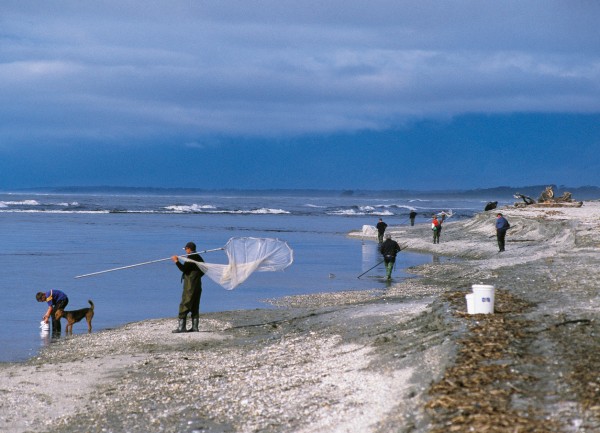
<point>389,248</point>
<point>381,226</point>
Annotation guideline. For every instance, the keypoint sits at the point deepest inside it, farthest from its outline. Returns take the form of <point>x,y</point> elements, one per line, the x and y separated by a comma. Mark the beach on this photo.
<point>404,358</point>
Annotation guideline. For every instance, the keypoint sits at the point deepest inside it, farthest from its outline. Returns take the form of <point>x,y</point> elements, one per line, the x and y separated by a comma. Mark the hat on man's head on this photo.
<point>191,246</point>
<point>388,236</point>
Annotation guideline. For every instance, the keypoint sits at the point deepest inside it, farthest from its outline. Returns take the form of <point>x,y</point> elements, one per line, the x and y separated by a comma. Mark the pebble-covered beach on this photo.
<point>404,359</point>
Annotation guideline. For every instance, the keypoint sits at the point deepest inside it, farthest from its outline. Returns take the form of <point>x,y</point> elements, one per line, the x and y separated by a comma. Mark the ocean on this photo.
<point>49,238</point>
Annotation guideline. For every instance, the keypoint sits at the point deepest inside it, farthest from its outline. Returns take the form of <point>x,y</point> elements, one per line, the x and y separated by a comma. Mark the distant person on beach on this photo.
<point>502,226</point>
<point>412,215</point>
<point>381,226</point>
<point>192,288</point>
<point>56,300</point>
<point>389,249</point>
<point>436,226</point>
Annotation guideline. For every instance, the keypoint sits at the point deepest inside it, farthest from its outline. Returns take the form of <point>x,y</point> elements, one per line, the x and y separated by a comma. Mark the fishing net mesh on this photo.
<point>248,255</point>
<point>368,230</point>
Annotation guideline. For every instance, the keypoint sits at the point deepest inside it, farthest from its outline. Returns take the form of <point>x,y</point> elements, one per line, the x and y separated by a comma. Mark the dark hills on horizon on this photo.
<point>578,193</point>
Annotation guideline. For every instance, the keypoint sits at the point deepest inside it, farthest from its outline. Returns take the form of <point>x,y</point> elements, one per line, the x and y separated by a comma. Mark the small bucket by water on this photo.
<point>470,303</point>
<point>44,326</point>
<point>483,296</point>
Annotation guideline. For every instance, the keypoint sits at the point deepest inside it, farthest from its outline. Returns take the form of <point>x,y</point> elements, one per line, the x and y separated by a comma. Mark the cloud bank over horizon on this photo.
<point>117,71</point>
<point>199,75</point>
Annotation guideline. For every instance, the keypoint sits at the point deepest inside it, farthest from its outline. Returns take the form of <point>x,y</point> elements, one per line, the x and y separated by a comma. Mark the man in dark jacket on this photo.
<point>502,226</point>
<point>389,249</point>
<point>192,288</point>
<point>381,226</point>
<point>412,215</point>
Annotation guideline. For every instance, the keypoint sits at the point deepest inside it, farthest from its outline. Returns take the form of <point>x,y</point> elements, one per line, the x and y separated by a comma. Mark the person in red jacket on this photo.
<point>436,226</point>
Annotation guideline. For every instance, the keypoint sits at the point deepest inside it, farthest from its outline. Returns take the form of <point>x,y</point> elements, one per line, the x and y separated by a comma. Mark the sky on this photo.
<point>268,94</point>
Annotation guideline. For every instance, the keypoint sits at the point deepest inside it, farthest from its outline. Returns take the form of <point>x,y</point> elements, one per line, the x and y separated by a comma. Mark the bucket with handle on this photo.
<point>483,296</point>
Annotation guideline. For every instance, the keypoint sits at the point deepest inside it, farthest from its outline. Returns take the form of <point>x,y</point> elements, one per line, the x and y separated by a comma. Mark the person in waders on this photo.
<point>412,215</point>
<point>436,226</point>
<point>381,226</point>
<point>502,226</point>
<point>191,277</point>
<point>389,248</point>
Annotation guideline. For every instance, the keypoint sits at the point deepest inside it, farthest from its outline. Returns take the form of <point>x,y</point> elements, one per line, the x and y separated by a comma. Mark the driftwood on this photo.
<point>546,195</point>
<point>547,199</point>
<point>526,199</point>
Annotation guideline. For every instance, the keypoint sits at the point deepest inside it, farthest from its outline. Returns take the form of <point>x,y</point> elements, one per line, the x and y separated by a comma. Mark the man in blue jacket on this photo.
<point>56,300</point>
<point>502,226</point>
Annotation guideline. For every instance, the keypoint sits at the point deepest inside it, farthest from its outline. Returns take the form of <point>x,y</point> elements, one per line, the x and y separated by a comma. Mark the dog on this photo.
<point>75,316</point>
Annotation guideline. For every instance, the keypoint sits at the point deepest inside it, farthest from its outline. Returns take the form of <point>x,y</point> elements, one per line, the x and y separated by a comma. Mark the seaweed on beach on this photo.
<point>578,338</point>
<point>477,393</point>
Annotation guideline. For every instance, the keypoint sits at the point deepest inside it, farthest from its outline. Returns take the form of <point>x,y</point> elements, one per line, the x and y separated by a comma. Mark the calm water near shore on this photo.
<point>48,239</point>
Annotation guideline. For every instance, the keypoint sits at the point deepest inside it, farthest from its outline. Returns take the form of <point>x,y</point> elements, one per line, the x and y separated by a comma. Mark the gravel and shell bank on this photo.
<point>404,359</point>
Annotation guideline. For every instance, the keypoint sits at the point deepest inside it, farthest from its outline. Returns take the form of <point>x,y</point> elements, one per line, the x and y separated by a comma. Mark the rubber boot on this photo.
<point>388,269</point>
<point>55,327</point>
<point>194,325</point>
<point>181,327</point>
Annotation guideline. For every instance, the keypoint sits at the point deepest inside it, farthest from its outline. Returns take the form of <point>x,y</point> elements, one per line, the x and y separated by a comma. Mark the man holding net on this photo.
<point>389,249</point>
<point>192,288</point>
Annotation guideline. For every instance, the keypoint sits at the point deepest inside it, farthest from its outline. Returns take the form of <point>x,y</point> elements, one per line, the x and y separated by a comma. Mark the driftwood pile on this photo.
<point>548,199</point>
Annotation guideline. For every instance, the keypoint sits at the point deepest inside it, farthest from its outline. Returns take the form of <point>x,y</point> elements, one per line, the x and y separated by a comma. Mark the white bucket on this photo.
<point>483,296</point>
<point>44,326</point>
<point>470,303</point>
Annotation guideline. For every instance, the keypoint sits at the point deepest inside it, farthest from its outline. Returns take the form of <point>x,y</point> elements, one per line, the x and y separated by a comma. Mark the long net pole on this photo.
<point>144,263</point>
<point>370,269</point>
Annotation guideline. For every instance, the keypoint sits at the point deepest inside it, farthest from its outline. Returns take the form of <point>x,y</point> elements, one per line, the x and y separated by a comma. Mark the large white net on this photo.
<point>368,230</point>
<point>247,255</point>
<point>445,214</point>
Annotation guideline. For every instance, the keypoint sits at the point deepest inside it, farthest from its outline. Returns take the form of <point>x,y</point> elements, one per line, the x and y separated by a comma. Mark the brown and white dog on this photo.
<point>75,316</point>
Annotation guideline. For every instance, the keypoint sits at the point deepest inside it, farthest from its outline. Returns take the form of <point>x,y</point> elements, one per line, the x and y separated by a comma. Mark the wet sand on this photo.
<point>404,359</point>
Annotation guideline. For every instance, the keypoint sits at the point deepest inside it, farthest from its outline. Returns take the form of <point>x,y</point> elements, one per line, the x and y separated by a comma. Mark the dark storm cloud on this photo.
<point>117,70</point>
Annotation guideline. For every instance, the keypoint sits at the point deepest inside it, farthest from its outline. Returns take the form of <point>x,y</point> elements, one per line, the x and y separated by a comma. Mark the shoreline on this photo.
<point>378,360</point>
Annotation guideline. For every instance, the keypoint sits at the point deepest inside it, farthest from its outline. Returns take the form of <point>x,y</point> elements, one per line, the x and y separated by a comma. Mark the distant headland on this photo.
<point>581,193</point>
